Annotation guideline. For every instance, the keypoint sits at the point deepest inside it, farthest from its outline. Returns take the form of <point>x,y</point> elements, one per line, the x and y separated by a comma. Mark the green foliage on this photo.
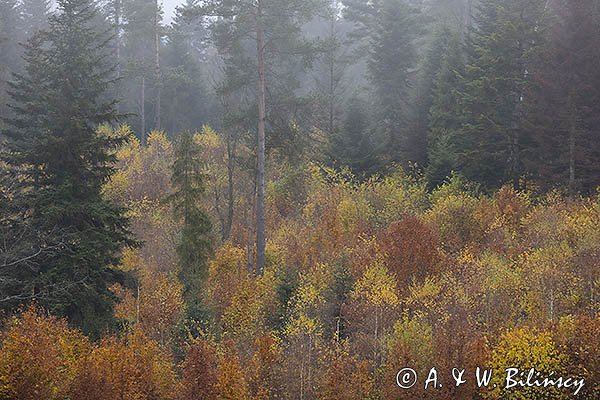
<point>489,146</point>
<point>194,246</point>
<point>391,26</point>
<point>353,146</point>
<point>62,161</point>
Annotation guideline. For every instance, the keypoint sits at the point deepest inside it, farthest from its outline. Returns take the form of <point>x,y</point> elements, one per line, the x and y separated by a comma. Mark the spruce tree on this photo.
<point>352,146</point>
<point>189,106</point>
<point>62,162</point>
<point>390,28</point>
<point>563,105</point>
<point>445,115</point>
<point>10,52</point>
<point>496,79</point>
<point>194,245</point>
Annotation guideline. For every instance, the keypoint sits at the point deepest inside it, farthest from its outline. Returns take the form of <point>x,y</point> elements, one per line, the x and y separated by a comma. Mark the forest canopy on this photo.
<point>297,199</point>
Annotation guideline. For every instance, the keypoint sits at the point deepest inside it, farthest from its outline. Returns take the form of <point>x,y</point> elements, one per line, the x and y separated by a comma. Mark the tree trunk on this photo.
<point>117,12</point>
<point>143,109</point>
<point>260,205</point>
<point>331,78</point>
<point>157,75</point>
<point>572,135</point>
<point>231,155</point>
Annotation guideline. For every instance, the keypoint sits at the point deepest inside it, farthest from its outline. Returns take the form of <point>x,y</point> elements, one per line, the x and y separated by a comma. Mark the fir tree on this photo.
<point>391,59</point>
<point>194,246</point>
<point>62,162</point>
<point>10,52</point>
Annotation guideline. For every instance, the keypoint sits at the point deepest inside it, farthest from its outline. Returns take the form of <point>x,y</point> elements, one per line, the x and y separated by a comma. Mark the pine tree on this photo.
<point>194,246</point>
<point>62,163</point>
<point>258,38</point>
<point>141,68</point>
<point>507,33</point>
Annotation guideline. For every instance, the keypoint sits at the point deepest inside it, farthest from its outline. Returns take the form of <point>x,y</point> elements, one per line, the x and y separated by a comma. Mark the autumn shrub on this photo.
<point>578,337</point>
<point>39,357</point>
<point>344,376</point>
<point>247,316</point>
<point>505,234</point>
<point>264,369</point>
<point>226,272</point>
<point>456,218</point>
<point>156,304</point>
<point>199,372</point>
<point>526,348</point>
<point>409,344</point>
<point>395,195</point>
<point>412,249</point>
<point>370,310</point>
<point>131,368</point>
<point>231,379</point>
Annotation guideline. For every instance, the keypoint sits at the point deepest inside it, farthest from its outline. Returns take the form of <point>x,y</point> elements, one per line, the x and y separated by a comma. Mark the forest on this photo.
<point>299,199</point>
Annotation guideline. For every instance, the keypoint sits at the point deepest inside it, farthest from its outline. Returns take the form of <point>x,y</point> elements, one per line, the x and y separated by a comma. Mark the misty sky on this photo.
<point>169,9</point>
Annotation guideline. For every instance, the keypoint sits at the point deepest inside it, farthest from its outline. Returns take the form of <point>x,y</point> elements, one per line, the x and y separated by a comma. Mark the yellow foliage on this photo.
<point>526,348</point>
<point>377,286</point>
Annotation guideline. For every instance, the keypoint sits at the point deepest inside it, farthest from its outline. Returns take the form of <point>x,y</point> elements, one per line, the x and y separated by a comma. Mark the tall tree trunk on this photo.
<point>231,155</point>
<point>117,16</point>
<point>250,244</point>
<point>331,77</point>
<point>260,152</point>
<point>572,134</point>
<point>143,109</point>
<point>157,75</point>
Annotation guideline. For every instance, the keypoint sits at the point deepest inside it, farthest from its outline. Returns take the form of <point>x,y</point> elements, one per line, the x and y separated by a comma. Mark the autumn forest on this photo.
<point>299,199</point>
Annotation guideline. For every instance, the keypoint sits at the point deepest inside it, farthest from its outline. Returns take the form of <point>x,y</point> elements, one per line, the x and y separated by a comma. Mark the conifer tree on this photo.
<point>445,115</point>
<point>10,52</point>
<point>189,106</point>
<point>563,105</point>
<point>261,39</point>
<point>507,33</point>
<point>34,16</point>
<point>62,162</point>
<point>352,146</point>
<point>141,69</point>
<point>194,246</point>
<point>390,28</point>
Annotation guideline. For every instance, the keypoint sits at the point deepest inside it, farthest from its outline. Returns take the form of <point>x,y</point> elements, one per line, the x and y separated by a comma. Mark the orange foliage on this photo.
<point>199,372</point>
<point>412,249</point>
<point>133,368</point>
<point>39,356</point>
